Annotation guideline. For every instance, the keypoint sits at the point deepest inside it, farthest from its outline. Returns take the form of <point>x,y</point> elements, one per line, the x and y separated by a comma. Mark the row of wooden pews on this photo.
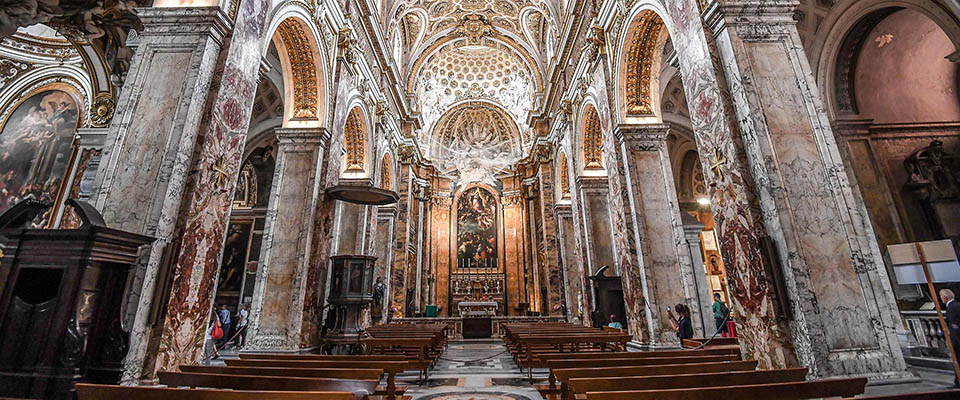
<point>395,349</point>
<point>702,370</point>
<point>526,341</point>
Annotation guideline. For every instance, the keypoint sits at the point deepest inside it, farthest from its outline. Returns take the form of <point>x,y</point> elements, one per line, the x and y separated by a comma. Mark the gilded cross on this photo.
<point>220,169</point>
<point>718,164</point>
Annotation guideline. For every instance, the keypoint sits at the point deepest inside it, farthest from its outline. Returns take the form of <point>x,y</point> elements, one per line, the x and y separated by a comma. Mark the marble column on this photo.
<point>214,166</point>
<point>382,249</point>
<point>691,235</point>
<point>401,240</point>
<point>596,221</point>
<point>844,315</point>
<point>147,157</point>
<point>573,276</point>
<point>667,274</point>
<point>279,294</point>
<point>551,243</point>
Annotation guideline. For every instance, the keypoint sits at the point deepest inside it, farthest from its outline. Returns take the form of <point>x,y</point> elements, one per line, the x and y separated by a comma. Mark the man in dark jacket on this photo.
<point>952,315</point>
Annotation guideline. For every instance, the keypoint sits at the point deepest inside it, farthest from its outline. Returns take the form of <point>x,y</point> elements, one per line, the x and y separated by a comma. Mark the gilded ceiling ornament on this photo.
<point>640,65</point>
<point>9,69</point>
<point>102,109</point>
<point>297,45</point>
<point>592,140</point>
<point>355,140</point>
<point>474,27</point>
<point>564,175</point>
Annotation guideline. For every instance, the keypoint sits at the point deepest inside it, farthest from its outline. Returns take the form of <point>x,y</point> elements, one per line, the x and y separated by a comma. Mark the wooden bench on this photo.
<point>951,394</point>
<point>87,391</point>
<point>339,373</point>
<point>544,357</point>
<point>564,375</point>
<point>580,386</point>
<point>358,387</point>
<point>842,387</point>
<point>391,368</point>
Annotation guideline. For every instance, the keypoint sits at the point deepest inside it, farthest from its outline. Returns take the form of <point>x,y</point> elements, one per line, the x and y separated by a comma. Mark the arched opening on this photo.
<point>303,79</point>
<point>652,97</point>
<point>894,95</point>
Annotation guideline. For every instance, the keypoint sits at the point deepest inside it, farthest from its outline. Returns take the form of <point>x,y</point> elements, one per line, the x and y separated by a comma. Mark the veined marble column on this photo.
<point>401,239</point>
<point>691,234</point>
<point>551,243</point>
<point>666,269</point>
<point>573,274</point>
<point>597,230</point>
<point>143,175</point>
<point>386,217</point>
<point>281,279</point>
<point>845,317</point>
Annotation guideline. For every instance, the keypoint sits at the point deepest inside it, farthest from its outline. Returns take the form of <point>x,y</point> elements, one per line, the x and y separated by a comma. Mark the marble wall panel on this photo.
<point>386,218</point>
<point>577,257</point>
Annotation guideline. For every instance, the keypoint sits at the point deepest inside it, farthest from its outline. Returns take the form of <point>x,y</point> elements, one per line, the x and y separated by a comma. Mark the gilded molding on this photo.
<point>302,68</point>
<point>640,65</point>
<point>355,140</point>
<point>592,139</point>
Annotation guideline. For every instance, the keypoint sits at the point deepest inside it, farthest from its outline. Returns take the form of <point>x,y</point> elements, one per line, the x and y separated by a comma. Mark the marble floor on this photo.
<point>474,370</point>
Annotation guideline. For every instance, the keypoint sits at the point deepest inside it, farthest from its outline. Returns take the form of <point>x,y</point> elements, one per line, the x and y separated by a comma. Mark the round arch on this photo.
<point>639,101</point>
<point>590,140</point>
<point>847,30</point>
<point>355,141</point>
<point>304,68</point>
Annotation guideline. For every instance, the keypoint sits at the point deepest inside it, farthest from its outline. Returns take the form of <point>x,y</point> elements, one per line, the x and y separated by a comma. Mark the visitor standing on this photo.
<point>225,323</point>
<point>681,323</point>
<point>242,327</point>
<point>720,314</point>
<point>952,315</point>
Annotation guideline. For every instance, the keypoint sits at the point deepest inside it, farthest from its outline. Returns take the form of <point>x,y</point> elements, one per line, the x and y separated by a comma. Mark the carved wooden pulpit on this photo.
<point>61,292</point>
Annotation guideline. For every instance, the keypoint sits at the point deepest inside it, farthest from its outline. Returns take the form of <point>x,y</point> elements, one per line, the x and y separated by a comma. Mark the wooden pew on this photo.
<point>564,375</point>
<point>636,362</point>
<point>391,368</point>
<point>544,357</point>
<point>526,343</point>
<point>339,373</point>
<point>580,386</point>
<point>87,391</point>
<point>360,388</point>
<point>841,387</point>
<point>951,394</point>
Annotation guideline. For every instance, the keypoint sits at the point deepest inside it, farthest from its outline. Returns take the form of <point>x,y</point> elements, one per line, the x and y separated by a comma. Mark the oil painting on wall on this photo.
<point>477,229</point>
<point>35,146</point>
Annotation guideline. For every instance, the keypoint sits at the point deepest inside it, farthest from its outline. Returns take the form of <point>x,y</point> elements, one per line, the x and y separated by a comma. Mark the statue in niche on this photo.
<point>378,291</point>
<point>932,182</point>
<point>932,172</point>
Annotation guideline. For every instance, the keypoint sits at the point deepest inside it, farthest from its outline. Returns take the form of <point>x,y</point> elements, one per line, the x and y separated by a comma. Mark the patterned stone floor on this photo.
<point>474,370</point>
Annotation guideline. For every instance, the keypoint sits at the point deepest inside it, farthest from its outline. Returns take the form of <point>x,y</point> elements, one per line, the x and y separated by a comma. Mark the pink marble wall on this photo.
<point>902,74</point>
